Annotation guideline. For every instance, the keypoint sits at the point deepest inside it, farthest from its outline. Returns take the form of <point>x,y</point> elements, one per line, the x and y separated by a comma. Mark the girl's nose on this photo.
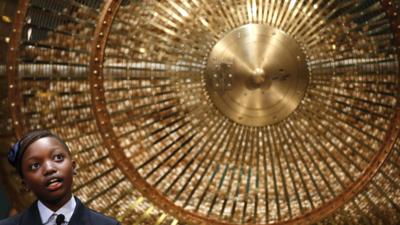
<point>48,168</point>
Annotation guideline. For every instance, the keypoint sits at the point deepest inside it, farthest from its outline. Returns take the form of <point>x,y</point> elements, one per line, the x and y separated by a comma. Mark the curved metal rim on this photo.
<point>104,123</point>
<point>14,99</point>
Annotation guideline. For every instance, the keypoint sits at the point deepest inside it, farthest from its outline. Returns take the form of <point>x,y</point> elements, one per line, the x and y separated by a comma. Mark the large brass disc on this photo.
<point>256,75</point>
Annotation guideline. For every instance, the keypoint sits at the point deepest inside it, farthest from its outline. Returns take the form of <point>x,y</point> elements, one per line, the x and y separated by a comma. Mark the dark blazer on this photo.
<point>81,216</point>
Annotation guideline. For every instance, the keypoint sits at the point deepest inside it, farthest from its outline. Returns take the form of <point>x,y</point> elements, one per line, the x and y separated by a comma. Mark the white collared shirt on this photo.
<point>67,210</point>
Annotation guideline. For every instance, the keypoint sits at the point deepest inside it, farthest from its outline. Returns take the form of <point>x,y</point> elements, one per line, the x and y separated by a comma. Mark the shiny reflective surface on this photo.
<point>256,75</point>
<point>153,143</point>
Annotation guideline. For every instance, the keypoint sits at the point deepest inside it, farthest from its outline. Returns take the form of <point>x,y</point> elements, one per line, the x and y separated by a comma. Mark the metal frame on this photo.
<point>103,121</point>
<point>104,23</point>
<point>13,90</point>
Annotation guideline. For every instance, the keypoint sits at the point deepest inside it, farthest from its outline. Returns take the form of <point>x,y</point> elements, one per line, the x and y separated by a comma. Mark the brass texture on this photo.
<point>256,75</point>
<point>176,109</point>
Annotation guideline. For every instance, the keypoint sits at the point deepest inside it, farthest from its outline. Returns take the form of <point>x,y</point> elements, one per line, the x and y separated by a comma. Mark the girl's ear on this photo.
<point>74,167</point>
<point>25,186</point>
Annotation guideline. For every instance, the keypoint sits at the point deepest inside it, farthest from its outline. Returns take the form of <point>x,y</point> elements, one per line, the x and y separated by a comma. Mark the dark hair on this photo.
<point>17,151</point>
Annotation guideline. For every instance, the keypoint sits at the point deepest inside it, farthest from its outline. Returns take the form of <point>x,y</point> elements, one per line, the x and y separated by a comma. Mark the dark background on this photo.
<point>5,204</point>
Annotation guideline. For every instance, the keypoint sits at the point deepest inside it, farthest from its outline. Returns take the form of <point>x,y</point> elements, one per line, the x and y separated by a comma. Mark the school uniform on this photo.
<point>74,211</point>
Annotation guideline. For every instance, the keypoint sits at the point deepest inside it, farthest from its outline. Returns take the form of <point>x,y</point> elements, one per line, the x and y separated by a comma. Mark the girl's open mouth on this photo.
<point>54,184</point>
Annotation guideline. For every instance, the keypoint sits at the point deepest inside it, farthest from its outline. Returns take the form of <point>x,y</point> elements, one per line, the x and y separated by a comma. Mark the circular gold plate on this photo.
<point>256,75</point>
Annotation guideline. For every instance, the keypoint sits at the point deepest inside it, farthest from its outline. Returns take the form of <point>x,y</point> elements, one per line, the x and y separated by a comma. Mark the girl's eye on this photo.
<point>58,157</point>
<point>34,166</point>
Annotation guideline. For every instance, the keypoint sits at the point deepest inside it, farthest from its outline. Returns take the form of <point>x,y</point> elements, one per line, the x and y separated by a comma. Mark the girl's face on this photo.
<point>47,170</point>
